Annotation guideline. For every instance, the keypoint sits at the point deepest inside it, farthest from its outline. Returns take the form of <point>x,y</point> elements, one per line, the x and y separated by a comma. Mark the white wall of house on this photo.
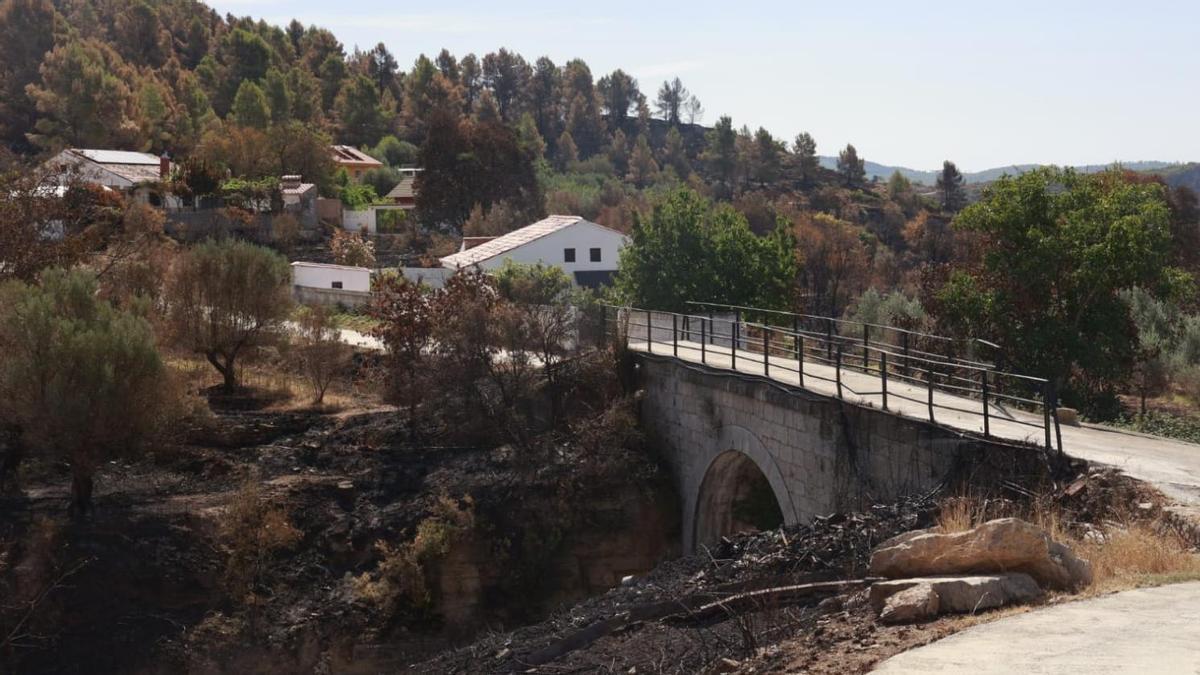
<point>359,221</point>
<point>315,275</point>
<point>551,249</point>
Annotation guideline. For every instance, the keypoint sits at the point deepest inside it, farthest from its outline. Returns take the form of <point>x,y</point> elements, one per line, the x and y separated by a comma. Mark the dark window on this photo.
<point>568,255</point>
<point>337,284</point>
<point>594,254</point>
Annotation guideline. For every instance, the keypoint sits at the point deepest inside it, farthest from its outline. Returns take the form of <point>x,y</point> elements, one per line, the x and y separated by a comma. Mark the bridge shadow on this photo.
<point>735,496</point>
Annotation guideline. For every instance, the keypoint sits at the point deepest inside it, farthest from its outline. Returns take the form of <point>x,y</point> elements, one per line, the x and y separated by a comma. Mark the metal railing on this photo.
<point>746,346</point>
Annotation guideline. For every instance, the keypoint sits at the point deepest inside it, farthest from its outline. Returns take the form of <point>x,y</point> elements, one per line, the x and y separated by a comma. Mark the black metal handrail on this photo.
<point>903,336</point>
<point>787,350</point>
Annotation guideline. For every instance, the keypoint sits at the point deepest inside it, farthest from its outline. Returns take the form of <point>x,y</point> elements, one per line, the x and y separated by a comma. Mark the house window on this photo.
<point>337,284</point>
<point>568,255</point>
<point>594,254</point>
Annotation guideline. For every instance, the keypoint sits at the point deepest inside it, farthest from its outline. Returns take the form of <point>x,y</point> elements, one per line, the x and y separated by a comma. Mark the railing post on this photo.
<point>800,358</point>
<point>703,341</point>
<point>734,343</point>
<point>649,333</point>
<point>829,338</point>
<point>766,351</point>
<point>866,351</point>
<point>796,338</point>
<point>929,381</point>
<point>1046,412</point>
<point>675,335</point>
<point>838,370</point>
<point>1054,413</point>
<point>904,346</point>
<point>883,376</point>
<point>986,429</point>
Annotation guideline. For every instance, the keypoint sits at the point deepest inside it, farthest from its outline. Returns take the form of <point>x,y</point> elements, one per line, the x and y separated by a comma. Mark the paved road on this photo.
<point>1151,630</point>
<point>1171,466</point>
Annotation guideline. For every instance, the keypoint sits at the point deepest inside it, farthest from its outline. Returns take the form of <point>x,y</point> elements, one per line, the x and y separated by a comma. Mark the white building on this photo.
<point>137,174</point>
<point>587,252</point>
<point>336,277</point>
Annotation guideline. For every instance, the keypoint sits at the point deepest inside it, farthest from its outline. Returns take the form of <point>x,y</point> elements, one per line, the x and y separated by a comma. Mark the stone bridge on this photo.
<point>766,424</point>
<point>725,433</point>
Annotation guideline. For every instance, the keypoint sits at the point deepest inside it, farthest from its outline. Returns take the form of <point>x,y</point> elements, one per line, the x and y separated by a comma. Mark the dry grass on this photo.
<point>286,391</point>
<point>1125,553</point>
<point>1136,555</point>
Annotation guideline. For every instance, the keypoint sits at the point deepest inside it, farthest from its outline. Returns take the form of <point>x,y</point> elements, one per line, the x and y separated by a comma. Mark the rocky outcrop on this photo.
<point>908,600</point>
<point>997,546</point>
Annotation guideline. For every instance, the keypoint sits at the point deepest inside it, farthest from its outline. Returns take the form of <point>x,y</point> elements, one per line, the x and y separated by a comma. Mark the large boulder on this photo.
<point>1003,545</point>
<point>914,603</point>
<point>955,594</point>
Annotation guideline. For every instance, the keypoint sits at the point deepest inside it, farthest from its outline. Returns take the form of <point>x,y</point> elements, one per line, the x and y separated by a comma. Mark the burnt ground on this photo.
<point>700,614</point>
<point>142,585</point>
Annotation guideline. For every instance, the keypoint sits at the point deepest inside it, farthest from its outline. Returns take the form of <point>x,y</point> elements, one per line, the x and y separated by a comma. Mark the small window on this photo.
<point>594,254</point>
<point>568,255</point>
<point>337,284</point>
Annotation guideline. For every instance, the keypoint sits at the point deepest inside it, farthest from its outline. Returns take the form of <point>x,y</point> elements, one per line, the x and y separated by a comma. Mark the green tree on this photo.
<point>687,249</point>
<point>675,154</point>
<point>395,152</point>
<point>80,378</point>
<point>226,298</point>
<point>767,157</point>
<point>26,34</point>
<point>360,115</point>
<point>642,167</point>
<point>850,166</point>
<point>250,106</point>
<point>1055,249</point>
<point>806,157</point>
<point>620,93</point>
<point>84,98</point>
<point>279,96</point>
<point>672,97</point>
<point>950,187</point>
<point>721,155</point>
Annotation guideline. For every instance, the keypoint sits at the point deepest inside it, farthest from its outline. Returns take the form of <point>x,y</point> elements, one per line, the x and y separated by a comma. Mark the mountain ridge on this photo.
<point>884,171</point>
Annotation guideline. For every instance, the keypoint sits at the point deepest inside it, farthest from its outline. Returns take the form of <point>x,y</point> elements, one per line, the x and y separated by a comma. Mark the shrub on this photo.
<point>79,378</point>
<point>226,298</point>
<point>318,350</point>
<point>253,528</point>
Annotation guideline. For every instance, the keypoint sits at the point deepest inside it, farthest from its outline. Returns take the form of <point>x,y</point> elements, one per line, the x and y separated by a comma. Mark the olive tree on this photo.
<point>80,378</point>
<point>226,298</point>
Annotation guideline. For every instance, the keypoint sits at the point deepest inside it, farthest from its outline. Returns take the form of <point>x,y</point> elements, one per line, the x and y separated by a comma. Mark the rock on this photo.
<point>1003,545</point>
<point>916,603</point>
<point>897,601</point>
<point>1067,416</point>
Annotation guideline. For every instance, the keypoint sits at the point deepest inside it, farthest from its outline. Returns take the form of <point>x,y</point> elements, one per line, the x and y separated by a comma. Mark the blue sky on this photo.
<point>909,83</point>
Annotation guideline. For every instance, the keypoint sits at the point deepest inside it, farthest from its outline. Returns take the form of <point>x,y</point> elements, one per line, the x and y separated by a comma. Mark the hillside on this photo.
<point>884,171</point>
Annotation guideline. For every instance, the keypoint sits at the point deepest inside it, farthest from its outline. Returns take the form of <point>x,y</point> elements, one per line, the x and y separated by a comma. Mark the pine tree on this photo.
<point>721,155</point>
<point>671,99</point>
<point>675,154</point>
<point>642,167</point>
<point>851,168</point>
<point>250,106</point>
<point>566,153</point>
<point>950,185</point>
<point>806,157</point>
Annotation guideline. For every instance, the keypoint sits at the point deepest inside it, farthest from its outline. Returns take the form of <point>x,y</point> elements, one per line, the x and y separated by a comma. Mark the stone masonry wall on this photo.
<point>819,454</point>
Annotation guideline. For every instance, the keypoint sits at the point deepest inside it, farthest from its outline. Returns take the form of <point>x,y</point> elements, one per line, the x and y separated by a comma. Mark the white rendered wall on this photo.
<point>352,278</point>
<point>548,250</point>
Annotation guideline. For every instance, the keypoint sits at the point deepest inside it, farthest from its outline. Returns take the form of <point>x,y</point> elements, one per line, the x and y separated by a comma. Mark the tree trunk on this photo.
<point>226,369</point>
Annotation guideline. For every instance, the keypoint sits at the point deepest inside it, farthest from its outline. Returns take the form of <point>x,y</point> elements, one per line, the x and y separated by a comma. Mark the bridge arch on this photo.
<point>736,464</point>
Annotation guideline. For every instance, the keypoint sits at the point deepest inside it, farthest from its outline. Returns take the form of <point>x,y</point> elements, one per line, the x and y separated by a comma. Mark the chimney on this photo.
<point>164,166</point>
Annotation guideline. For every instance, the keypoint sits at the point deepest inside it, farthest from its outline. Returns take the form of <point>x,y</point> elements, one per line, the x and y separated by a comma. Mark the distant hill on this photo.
<point>883,171</point>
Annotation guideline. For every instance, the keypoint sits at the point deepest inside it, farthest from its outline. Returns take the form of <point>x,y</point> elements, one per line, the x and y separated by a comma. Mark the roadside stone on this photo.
<point>896,598</point>
<point>1003,545</point>
<point>916,603</point>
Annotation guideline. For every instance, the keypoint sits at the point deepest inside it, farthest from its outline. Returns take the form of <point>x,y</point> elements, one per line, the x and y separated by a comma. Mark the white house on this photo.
<point>136,174</point>
<point>587,252</point>
<point>336,277</point>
